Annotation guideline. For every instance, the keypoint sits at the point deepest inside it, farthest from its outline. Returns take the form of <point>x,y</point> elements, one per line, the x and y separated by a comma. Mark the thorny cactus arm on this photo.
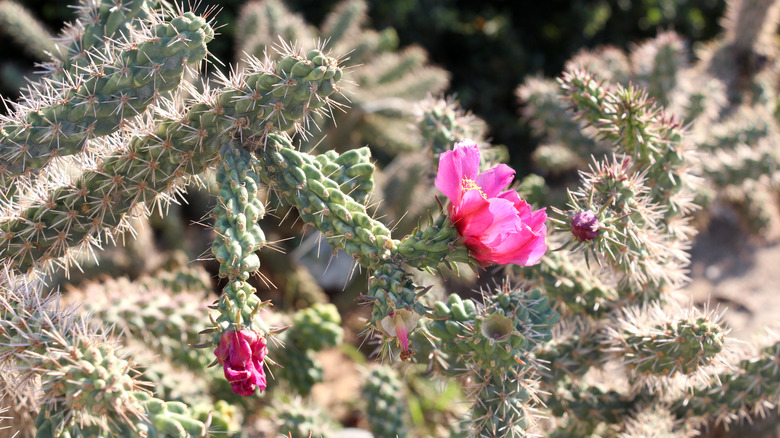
<point>150,168</point>
<point>58,119</point>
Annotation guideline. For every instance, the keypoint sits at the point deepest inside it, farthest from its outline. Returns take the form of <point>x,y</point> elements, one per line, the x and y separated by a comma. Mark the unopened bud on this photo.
<point>585,225</point>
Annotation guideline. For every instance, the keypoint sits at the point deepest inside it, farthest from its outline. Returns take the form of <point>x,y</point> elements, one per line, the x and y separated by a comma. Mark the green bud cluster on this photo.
<point>433,245</point>
<point>238,210</point>
<point>320,201</point>
<point>98,103</point>
<point>385,401</point>
<point>301,369</point>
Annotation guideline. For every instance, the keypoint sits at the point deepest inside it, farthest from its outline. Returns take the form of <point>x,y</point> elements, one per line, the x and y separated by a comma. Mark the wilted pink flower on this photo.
<point>241,353</point>
<point>497,227</point>
<point>401,322</point>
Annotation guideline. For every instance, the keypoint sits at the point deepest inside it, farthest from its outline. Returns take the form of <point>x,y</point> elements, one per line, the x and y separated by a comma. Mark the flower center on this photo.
<point>469,184</point>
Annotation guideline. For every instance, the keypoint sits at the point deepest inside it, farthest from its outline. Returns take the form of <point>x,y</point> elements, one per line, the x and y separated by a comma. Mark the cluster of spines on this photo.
<point>749,388</point>
<point>650,341</point>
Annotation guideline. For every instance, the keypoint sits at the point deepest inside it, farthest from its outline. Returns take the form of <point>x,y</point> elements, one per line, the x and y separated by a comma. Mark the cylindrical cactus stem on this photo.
<point>651,342</point>
<point>572,283</point>
<point>59,119</point>
<point>295,418</point>
<point>101,201</point>
<point>316,328</point>
<point>573,350</point>
<point>588,406</point>
<point>321,202</point>
<point>236,215</point>
<point>385,403</point>
<point>657,63</point>
<point>442,123</point>
<point>352,170</point>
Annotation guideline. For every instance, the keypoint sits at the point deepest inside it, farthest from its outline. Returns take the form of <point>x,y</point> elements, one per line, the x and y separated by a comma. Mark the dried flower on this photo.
<point>497,227</point>
<point>585,225</point>
<point>401,322</point>
<point>241,353</point>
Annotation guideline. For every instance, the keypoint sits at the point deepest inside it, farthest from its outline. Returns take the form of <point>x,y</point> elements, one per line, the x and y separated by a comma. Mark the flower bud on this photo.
<point>585,225</point>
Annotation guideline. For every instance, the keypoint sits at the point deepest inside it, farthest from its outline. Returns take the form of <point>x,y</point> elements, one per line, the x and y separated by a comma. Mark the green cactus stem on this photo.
<point>53,123</point>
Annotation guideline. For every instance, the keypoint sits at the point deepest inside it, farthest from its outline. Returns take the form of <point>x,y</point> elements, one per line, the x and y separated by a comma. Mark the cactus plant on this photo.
<point>125,119</point>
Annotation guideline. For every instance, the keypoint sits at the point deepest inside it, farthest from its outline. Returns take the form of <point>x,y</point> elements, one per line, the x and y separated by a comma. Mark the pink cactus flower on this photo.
<point>496,226</point>
<point>241,353</point>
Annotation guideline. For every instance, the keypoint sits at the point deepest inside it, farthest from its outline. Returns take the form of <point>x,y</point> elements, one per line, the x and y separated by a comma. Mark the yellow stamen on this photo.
<point>469,184</point>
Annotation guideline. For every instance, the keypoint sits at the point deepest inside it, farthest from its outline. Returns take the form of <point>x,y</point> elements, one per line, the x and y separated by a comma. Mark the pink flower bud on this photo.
<point>585,225</point>
<point>496,226</point>
<point>241,354</point>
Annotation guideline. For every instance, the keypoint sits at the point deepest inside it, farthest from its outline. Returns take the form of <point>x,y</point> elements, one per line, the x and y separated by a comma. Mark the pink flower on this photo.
<point>241,354</point>
<point>496,226</point>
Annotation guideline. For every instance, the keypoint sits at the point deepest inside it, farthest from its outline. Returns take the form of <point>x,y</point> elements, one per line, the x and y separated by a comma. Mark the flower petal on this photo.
<point>494,180</point>
<point>454,166</point>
